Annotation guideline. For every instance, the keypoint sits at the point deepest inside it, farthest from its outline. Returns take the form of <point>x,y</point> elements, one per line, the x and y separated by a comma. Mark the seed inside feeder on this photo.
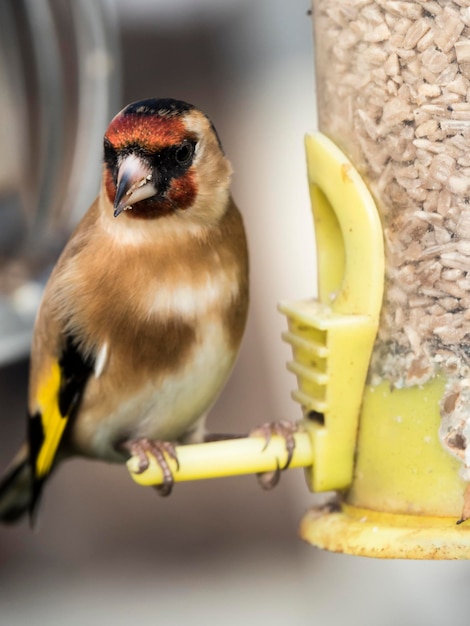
<point>393,85</point>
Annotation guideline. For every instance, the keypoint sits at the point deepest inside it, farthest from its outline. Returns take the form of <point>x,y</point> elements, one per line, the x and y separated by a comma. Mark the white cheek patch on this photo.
<point>198,153</point>
<point>186,300</point>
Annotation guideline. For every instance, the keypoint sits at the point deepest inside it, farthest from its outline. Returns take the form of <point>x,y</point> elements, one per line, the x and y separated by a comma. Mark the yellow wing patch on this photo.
<point>53,423</point>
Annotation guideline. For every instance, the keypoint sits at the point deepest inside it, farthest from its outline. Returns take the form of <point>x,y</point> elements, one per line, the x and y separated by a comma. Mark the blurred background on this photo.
<point>220,551</point>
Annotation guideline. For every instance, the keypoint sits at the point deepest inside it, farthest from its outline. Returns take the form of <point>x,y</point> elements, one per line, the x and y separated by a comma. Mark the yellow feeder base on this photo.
<point>401,466</point>
<point>406,496</point>
<point>363,532</point>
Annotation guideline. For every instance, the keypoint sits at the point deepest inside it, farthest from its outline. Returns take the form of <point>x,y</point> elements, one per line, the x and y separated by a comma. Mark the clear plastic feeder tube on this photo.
<point>393,91</point>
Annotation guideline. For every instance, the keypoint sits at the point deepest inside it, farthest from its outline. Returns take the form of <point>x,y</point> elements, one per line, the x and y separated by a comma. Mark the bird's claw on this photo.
<point>286,430</point>
<point>269,480</point>
<point>141,448</point>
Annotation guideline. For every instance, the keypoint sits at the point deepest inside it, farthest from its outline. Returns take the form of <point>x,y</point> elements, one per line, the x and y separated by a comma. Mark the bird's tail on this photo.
<point>16,488</point>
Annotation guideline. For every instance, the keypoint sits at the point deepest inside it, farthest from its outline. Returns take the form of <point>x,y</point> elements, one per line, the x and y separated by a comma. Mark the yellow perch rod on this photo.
<point>226,458</point>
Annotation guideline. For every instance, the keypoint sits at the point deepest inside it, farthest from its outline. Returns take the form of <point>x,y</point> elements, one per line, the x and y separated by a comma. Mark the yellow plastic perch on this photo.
<point>226,458</point>
<point>332,337</point>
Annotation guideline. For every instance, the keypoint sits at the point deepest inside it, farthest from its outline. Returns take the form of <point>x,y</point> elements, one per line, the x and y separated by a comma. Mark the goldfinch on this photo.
<point>143,315</point>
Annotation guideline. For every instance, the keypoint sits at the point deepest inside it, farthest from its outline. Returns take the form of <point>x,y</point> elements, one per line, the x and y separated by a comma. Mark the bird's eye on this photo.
<point>184,153</point>
<point>110,157</point>
<point>109,151</point>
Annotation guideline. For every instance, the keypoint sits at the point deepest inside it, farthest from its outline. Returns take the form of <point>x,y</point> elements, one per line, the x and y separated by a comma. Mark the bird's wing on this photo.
<point>59,369</point>
<point>59,389</point>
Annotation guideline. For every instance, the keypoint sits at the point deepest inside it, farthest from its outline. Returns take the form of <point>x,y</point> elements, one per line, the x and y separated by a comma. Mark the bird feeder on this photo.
<point>382,356</point>
<point>392,83</point>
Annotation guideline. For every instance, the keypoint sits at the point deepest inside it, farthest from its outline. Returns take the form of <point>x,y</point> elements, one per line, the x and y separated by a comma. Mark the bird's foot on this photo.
<point>284,429</point>
<point>141,448</point>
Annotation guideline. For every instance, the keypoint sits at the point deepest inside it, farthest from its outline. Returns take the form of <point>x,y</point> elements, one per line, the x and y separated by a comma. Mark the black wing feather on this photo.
<point>75,370</point>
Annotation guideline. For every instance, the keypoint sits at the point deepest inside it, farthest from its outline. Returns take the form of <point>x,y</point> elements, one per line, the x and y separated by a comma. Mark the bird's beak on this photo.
<point>134,184</point>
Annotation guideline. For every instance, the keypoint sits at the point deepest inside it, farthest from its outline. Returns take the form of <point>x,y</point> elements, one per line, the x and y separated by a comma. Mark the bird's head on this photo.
<point>163,156</point>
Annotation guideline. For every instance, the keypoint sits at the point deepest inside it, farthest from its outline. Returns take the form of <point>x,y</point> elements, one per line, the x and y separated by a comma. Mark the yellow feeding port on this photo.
<point>332,337</point>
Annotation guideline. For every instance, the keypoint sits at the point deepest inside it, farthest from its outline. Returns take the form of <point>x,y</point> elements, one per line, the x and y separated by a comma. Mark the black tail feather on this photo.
<point>15,490</point>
